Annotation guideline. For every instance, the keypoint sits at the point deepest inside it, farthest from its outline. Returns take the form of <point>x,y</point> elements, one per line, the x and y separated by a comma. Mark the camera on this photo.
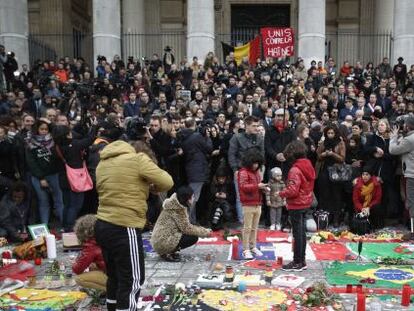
<point>218,213</point>
<point>136,128</point>
<point>100,58</point>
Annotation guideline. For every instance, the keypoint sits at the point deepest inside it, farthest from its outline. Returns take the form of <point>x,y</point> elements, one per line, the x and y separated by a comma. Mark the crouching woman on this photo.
<point>173,230</point>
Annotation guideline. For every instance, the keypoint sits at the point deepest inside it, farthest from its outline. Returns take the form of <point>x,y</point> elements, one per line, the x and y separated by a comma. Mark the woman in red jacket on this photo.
<point>250,186</point>
<point>367,194</point>
<point>299,196</point>
<point>90,256</point>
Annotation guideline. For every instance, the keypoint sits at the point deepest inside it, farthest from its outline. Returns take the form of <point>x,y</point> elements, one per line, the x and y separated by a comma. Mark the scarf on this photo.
<point>366,192</point>
<point>41,141</point>
<point>280,126</point>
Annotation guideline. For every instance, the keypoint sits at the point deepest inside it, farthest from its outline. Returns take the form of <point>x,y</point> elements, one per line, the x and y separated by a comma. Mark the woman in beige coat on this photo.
<point>173,230</point>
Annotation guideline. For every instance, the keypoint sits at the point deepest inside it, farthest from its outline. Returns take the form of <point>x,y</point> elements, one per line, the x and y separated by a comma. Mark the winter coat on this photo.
<point>94,156</point>
<point>90,253</point>
<point>248,183</point>
<point>384,166</point>
<point>272,199</point>
<point>131,110</point>
<point>276,142</point>
<point>162,147</point>
<point>123,178</point>
<point>196,149</point>
<point>172,223</point>
<point>42,161</point>
<point>239,144</point>
<point>405,148</point>
<point>358,199</point>
<point>14,215</point>
<point>300,184</point>
<point>7,158</point>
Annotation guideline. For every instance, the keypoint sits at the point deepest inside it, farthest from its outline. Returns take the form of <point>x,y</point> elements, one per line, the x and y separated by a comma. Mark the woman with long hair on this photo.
<point>42,163</point>
<point>72,152</point>
<point>384,166</point>
<point>331,151</point>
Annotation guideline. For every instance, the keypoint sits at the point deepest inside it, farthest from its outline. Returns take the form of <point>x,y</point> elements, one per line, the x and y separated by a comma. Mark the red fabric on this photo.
<point>279,126</point>
<point>345,71</point>
<point>248,182</point>
<point>255,50</point>
<point>358,199</point>
<point>330,251</point>
<point>18,271</point>
<point>263,234</point>
<point>300,183</point>
<point>90,253</point>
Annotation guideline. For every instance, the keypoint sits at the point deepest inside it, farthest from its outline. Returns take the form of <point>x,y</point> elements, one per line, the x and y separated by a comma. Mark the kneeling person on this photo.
<point>173,230</point>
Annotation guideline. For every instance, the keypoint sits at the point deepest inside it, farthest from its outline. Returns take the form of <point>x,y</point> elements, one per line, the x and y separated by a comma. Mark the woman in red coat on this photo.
<point>299,195</point>
<point>367,194</point>
<point>90,256</point>
<point>250,186</point>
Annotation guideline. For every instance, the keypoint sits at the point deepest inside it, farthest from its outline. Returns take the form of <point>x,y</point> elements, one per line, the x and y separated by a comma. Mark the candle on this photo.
<point>360,302</point>
<point>235,249</point>
<point>280,260</point>
<point>359,289</point>
<point>406,295</point>
<point>349,288</point>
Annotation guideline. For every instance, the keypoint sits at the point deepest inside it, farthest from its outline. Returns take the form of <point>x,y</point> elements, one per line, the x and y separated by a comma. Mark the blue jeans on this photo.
<point>43,197</point>
<point>196,186</point>
<point>72,208</point>
<point>239,209</point>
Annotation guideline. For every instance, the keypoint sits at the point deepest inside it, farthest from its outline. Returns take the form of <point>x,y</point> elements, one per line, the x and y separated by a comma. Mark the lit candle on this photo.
<point>406,295</point>
<point>360,302</point>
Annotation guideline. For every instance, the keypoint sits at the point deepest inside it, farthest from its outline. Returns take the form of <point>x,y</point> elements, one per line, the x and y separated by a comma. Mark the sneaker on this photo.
<point>278,228</point>
<point>256,252</point>
<point>293,266</point>
<point>272,227</point>
<point>247,254</point>
<point>304,265</point>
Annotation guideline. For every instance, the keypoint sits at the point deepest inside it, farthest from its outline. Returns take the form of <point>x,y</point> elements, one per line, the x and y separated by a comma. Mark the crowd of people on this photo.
<point>197,120</point>
<point>277,142</point>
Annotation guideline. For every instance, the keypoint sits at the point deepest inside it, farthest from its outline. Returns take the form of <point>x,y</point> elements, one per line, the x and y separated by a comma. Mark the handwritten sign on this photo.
<point>278,42</point>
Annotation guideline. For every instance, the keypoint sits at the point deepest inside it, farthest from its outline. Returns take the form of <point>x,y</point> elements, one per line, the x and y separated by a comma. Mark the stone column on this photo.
<point>106,28</point>
<point>14,29</point>
<point>311,34</point>
<point>403,32</point>
<point>200,28</point>
<point>383,24</point>
<point>133,28</point>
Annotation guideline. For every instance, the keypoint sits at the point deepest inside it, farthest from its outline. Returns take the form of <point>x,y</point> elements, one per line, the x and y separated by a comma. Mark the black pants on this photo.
<point>186,241</point>
<point>124,259</point>
<point>298,220</point>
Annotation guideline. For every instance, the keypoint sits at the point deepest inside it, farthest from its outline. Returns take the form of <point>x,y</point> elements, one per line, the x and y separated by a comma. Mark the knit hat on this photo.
<point>275,171</point>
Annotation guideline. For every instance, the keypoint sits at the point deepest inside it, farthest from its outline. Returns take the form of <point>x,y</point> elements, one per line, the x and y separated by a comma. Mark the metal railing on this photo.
<point>341,46</point>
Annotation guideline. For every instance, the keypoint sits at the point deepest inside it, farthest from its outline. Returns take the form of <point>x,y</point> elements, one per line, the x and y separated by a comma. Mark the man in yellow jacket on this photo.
<point>123,180</point>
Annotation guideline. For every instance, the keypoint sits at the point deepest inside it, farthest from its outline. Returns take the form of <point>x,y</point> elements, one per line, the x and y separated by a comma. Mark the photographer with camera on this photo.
<point>404,146</point>
<point>3,60</point>
<point>196,148</point>
<point>9,67</point>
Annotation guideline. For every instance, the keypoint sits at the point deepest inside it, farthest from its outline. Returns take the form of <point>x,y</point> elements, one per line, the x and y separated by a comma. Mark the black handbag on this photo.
<point>340,172</point>
<point>360,224</point>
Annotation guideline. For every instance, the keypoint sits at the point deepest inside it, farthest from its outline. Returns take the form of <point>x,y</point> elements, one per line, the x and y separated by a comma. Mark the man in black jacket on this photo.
<point>160,142</point>
<point>196,148</point>
<point>277,138</point>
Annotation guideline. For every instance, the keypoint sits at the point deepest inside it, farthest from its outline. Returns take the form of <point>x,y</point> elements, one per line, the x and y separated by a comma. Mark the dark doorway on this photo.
<point>246,20</point>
